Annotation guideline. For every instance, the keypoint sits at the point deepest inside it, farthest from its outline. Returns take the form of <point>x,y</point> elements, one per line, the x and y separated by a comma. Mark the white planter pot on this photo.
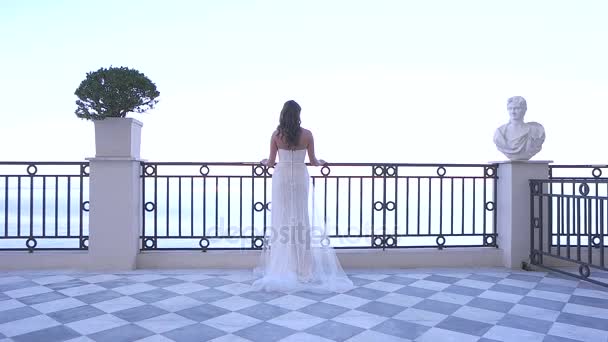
<point>117,137</point>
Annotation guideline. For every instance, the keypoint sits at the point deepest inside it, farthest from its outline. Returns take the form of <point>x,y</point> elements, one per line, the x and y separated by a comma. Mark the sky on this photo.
<point>379,81</point>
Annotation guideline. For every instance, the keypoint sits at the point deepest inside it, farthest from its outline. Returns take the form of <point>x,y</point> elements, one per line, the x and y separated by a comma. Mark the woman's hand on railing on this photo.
<point>266,163</point>
<point>322,162</point>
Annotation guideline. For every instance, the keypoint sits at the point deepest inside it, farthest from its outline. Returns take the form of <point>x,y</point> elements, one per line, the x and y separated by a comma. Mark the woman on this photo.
<point>297,256</point>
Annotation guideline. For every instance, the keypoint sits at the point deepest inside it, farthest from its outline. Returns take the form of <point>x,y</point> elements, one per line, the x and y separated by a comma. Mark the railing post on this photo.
<point>513,215</point>
<point>115,204</point>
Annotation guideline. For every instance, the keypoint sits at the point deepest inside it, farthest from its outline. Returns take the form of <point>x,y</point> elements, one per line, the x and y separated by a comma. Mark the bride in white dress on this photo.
<point>297,255</point>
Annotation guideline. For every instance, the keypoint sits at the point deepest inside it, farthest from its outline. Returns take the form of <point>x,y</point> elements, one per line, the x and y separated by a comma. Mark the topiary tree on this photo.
<point>114,92</point>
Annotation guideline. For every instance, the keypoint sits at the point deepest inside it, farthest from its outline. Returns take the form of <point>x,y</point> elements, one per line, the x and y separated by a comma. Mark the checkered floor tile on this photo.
<point>220,305</point>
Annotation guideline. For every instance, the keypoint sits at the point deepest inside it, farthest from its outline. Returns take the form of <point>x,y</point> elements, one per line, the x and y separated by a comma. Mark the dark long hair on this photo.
<point>289,123</point>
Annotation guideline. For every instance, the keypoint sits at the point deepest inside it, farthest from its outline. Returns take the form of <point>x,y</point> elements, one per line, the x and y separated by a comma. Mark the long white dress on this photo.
<point>297,255</point>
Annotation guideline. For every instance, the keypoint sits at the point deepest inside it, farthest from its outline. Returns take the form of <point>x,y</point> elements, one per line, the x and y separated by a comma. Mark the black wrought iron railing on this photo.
<point>569,225</point>
<point>44,205</point>
<point>205,206</point>
<point>578,171</point>
<point>570,180</point>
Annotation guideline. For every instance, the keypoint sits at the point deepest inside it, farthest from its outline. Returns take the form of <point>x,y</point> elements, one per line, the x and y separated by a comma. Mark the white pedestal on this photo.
<point>513,205</point>
<point>115,213</point>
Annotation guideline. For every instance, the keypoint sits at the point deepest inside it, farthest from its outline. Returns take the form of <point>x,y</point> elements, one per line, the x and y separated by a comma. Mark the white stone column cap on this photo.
<point>115,159</point>
<point>522,162</point>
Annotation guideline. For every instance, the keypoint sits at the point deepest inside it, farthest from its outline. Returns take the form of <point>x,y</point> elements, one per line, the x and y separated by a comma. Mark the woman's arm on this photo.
<point>311,151</point>
<point>273,152</point>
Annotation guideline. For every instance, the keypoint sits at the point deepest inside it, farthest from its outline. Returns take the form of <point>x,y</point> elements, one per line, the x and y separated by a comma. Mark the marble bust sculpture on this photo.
<point>519,140</point>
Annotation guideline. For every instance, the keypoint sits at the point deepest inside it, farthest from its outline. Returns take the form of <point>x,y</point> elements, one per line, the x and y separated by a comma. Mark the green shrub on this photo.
<point>114,92</point>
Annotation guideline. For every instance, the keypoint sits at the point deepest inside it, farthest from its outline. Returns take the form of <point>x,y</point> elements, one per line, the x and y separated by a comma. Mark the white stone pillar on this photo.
<point>513,205</point>
<point>115,201</point>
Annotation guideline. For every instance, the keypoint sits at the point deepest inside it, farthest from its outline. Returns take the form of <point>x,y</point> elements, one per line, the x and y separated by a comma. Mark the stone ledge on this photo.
<point>349,258</point>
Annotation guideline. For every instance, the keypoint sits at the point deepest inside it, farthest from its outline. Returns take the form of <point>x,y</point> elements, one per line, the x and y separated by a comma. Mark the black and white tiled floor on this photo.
<point>219,305</point>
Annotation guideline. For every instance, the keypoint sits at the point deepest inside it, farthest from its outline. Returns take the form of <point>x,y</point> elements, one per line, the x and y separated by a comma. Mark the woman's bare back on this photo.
<point>305,142</point>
